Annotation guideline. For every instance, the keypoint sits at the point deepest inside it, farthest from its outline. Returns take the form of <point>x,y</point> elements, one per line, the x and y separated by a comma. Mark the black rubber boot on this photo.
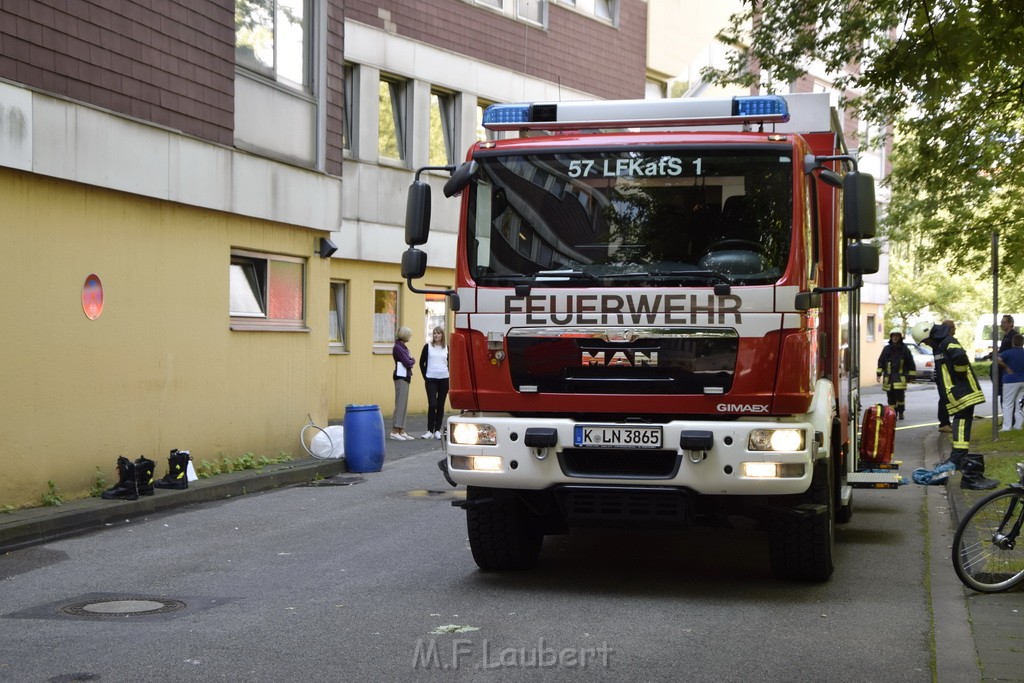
<point>126,488</point>
<point>974,479</point>
<point>144,468</point>
<point>176,477</point>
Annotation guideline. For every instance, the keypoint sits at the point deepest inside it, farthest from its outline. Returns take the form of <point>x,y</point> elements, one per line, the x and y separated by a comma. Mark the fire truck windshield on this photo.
<point>653,217</point>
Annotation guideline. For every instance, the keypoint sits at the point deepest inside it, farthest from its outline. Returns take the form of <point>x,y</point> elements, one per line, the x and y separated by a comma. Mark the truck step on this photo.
<point>875,480</point>
<point>865,466</point>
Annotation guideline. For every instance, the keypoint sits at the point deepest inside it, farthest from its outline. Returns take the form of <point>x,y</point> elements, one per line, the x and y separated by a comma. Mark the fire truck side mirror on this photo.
<point>463,174</point>
<point>861,258</point>
<point>858,206</point>
<point>417,214</point>
<point>805,301</point>
<point>414,264</point>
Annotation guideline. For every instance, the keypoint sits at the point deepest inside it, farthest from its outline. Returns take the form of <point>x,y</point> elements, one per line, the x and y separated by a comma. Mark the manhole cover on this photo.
<point>123,608</point>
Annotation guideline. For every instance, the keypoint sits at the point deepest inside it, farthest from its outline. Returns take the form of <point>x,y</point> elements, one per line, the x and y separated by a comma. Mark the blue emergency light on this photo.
<point>637,113</point>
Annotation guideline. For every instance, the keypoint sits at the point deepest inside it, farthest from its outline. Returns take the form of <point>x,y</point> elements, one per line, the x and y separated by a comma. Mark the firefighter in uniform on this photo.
<point>958,386</point>
<point>895,369</point>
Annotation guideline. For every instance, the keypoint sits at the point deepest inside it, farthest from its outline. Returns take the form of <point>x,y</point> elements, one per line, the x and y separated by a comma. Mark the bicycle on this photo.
<point>986,554</point>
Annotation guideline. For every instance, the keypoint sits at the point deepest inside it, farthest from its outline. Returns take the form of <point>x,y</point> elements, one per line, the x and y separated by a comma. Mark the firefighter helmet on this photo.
<point>920,332</point>
<point>896,330</point>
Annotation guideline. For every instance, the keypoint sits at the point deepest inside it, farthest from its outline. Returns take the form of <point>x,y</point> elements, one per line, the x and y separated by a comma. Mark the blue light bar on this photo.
<point>506,113</point>
<point>584,115</point>
<point>760,105</point>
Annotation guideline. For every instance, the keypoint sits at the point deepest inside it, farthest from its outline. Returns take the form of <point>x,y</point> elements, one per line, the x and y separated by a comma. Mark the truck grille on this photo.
<point>619,463</point>
<point>614,506</point>
<point>693,362</point>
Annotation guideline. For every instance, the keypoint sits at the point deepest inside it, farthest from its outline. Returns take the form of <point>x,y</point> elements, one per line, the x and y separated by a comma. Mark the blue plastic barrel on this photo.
<point>364,438</point>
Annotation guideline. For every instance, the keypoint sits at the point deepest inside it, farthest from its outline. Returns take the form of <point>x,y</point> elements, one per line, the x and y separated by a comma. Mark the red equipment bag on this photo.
<point>878,434</point>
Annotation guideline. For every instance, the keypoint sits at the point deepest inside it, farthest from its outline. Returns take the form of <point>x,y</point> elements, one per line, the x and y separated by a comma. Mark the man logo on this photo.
<point>621,359</point>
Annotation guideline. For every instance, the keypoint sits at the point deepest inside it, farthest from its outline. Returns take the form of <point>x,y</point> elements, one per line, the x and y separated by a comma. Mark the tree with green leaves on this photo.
<point>948,74</point>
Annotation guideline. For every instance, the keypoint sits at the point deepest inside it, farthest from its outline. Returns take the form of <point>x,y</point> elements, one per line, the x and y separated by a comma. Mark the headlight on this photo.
<point>480,463</point>
<point>776,440</point>
<point>473,434</point>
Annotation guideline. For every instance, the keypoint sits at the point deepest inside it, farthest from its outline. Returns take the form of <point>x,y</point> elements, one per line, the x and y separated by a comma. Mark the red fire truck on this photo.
<point>656,307</point>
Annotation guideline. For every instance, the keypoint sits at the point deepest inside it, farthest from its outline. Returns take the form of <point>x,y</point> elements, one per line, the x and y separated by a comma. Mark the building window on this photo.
<point>272,39</point>
<point>483,134</point>
<point>338,327</point>
<point>497,4</point>
<point>442,128</point>
<point>385,314</point>
<point>607,9</point>
<point>392,113</point>
<point>435,313</point>
<point>349,128</point>
<point>266,291</point>
<point>869,329</point>
<point>534,11</point>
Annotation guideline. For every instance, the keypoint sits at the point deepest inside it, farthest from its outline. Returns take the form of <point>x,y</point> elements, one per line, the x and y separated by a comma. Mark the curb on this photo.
<point>37,525</point>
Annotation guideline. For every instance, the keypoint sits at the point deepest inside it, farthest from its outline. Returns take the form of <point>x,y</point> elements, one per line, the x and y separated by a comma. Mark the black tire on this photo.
<point>503,535</point>
<point>988,552</point>
<point>802,547</point>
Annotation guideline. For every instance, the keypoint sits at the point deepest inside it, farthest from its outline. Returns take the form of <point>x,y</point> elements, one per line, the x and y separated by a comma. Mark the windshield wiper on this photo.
<point>701,276</point>
<point>564,275</point>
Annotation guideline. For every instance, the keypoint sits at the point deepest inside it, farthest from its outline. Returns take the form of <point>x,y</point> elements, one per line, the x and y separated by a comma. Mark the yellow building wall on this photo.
<point>362,375</point>
<point>160,368</point>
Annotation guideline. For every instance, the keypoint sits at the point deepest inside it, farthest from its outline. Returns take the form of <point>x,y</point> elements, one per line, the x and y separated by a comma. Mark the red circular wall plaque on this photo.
<point>92,297</point>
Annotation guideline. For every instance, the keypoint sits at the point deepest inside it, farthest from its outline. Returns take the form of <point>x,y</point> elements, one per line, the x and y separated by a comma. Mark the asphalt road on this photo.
<point>375,581</point>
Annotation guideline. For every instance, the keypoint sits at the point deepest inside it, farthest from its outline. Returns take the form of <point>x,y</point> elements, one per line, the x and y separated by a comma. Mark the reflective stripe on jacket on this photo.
<point>958,385</point>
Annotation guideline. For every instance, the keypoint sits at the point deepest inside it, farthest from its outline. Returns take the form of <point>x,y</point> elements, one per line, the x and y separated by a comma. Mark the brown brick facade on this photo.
<point>575,50</point>
<point>170,63</point>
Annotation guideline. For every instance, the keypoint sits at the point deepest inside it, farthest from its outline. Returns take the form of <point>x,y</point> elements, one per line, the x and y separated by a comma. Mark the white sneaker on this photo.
<point>437,435</point>
<point>395,436</point>
<point>427,435</point>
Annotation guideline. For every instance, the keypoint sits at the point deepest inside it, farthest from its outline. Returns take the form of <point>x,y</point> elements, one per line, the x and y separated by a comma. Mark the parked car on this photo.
<point>924,364</point>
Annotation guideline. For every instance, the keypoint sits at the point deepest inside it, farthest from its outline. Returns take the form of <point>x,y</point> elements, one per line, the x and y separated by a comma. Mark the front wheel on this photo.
<point>801,545</point>
<point>503,535</point>
<point>987,554</point>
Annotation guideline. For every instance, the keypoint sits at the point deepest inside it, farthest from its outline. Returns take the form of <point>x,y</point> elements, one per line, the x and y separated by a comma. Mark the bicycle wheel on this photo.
<point>986,553</point>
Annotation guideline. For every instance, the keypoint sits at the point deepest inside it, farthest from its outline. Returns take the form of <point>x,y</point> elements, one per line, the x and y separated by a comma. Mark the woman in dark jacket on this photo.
<point>402,376</point>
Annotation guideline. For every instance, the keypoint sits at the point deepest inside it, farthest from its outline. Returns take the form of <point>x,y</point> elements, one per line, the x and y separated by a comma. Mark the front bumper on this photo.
<point>682,461</point>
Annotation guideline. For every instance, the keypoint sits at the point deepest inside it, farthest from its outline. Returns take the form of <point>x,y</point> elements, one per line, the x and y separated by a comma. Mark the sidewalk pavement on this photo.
<point>996,620</point>
<point>39,525</point>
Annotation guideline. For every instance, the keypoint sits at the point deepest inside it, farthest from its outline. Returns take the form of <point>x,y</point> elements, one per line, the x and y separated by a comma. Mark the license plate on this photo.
<point>616,436</point>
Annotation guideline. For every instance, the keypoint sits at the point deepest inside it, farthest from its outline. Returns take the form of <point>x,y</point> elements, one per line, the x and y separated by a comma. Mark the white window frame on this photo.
<point>869,328</point>
<point>516,10</point>
<point>248,293</point>
<point>338,317</point>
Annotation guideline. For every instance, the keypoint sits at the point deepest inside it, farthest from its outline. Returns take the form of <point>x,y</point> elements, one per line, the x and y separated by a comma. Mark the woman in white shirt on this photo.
<point>434,367</point>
